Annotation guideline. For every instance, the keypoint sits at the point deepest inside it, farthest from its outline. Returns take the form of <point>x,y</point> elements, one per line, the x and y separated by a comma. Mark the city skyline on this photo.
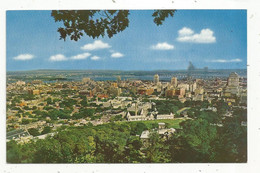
<point>148,94</point>
<point>216,39</point>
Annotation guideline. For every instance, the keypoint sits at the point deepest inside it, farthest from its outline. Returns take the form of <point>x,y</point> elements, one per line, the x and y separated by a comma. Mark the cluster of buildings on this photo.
<point>200,90</point>
<point>119,97</point>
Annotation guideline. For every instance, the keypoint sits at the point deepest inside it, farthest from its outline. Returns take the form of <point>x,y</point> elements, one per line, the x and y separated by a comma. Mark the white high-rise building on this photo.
<point>232,85</point>
<point>174,81</point>
<point>233,80</point>
<point>156,79</point>
<point>192,87</point>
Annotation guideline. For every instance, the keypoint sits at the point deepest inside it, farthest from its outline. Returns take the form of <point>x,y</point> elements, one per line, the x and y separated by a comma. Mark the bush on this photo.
<point>47,129</point>
<point>25,121</point>
<point>33,132</point>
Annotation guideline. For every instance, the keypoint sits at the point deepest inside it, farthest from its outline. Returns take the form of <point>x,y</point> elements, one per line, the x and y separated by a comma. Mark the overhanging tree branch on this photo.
<point>91,22</point>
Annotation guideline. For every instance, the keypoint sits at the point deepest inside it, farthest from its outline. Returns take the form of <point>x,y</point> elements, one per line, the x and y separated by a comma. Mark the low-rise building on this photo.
<point>165,116</point>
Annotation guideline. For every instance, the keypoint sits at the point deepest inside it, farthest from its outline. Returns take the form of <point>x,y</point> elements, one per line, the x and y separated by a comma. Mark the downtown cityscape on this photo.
<point>163,96</point>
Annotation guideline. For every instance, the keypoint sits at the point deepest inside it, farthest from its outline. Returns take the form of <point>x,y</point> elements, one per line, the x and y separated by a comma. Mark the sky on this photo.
<point>216,39</point>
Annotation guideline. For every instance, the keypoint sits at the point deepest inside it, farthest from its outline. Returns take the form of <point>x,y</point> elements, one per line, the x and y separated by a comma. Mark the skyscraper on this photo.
<point>118,79</point>
<point>233,80</point>
<point>232,85</point>
<point>174,81</point>
<point>156,79</point>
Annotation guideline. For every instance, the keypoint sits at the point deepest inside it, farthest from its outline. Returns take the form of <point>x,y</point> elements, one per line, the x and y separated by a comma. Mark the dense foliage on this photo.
<point>168,106</point>
<point>197,140</point>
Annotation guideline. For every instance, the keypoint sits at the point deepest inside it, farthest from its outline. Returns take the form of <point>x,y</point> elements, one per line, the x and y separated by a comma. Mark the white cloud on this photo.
<point>80,56</point>
<point>225,60</point>
<point>185,31</point>
<point>205,36</point>
<point>24,57</point>
<point>58,57</point>
<point>95,58</point>
<point>117,55</point>
<point>162,46</point>
<point>98,44</point>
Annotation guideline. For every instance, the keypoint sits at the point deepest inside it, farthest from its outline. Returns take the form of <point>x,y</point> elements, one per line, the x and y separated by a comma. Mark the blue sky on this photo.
<point>213,38</point>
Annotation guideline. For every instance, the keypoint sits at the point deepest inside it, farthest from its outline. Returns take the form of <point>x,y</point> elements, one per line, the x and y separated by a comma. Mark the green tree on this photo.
<point>49,101</point>
<point>157,151</point>
<point>46,129</point>
<point>20,153</point>
<point>116,118</point>
<point>138,128</point>
<point>195,143</point>
<point>132,153</point>
<point>33,132</point>
<point>232,142</point>
<point>25,121</point>
<point>14,154</point>
<point>84,102</point>
<point>240,114</point>
<point>48,151</point>
<point>222,107</point>
<point>210,116</point>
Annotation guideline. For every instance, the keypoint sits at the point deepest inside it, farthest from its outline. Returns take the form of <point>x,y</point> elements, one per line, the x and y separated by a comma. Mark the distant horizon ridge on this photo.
<point>116,70</point>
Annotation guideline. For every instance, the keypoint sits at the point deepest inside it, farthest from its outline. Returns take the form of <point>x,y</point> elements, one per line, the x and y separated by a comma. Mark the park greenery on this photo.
<point>199,139</point>
<point>206,136</point>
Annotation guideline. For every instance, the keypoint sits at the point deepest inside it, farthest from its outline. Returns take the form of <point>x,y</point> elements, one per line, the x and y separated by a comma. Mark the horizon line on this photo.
<point>118,70</point>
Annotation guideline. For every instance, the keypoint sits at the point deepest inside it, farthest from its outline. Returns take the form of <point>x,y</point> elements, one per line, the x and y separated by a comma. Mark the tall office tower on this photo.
<point>118,79</point>
<point>174,81</point>
<point>232,85</point>
<point>192,87</point>
<point>233,80</point>
<point>156,79</point>
<point>190,70</point>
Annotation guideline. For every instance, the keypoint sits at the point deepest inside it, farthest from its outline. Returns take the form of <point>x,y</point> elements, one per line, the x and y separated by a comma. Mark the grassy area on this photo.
<point>171,123</point>
<point>183,109</point>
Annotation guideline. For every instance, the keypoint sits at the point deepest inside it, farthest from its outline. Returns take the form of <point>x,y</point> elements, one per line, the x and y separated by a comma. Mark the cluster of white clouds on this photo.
<point>184,35</point>
<point>81,56</point>
<point>24,57</point>
<point>162,46</point>
<point>188,35</point>
<point>117,55</point>
<point>60,57</point>
<point>206,36</point>
<point>96,45</point>
<point>224,60</point>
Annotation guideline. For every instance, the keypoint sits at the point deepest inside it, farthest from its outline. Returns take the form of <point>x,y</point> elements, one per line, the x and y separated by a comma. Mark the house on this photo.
<point>162,131</point>
<point>140,117</point>
<point>165,116</point>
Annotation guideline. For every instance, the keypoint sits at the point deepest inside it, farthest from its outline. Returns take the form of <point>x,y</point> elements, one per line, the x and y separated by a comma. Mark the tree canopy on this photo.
<point>96,23</point>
